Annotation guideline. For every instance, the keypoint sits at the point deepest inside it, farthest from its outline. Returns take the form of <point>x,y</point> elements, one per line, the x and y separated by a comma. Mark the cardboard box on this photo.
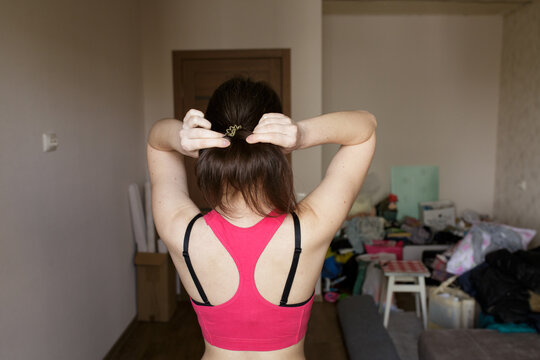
<point>156,287</point>
<point>438,214</point>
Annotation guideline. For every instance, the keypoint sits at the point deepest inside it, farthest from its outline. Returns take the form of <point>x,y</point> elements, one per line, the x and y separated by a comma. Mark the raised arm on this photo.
<point>344,128</point>
<point>327,206</point>
<point>169,140</point>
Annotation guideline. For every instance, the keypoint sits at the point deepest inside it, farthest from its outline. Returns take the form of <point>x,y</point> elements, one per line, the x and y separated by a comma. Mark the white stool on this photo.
<point>404,276</point>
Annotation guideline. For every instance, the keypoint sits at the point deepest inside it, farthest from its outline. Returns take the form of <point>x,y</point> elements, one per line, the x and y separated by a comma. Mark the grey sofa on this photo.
<point>363,330</point>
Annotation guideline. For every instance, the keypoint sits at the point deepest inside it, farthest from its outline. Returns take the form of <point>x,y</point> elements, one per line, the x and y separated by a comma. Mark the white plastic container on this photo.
<point>451,308</point>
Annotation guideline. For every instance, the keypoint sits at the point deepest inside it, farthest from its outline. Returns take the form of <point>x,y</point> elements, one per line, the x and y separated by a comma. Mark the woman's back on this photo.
<point>260,251</point>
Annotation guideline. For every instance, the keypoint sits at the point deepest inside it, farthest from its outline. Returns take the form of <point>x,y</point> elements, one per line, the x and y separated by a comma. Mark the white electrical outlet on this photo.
<point>50,141</point>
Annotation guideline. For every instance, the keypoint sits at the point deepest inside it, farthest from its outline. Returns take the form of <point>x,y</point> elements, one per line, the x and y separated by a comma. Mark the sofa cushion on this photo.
<point>477,344</point>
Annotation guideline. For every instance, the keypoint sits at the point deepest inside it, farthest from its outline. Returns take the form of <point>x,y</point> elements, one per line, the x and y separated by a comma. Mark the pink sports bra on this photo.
<point>249,322</point>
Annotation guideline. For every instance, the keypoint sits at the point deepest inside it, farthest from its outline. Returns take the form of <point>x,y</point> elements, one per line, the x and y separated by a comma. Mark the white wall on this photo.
<point>67,279</point>
<point>518,148</point>
<point>432,81</point>
<point>237,24</point>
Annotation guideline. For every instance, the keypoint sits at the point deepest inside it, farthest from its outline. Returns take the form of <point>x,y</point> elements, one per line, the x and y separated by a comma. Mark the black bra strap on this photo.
<point>294,265</point>
<point>188,261</point>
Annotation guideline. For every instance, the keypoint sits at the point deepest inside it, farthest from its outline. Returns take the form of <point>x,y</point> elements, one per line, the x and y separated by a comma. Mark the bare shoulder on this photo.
<point>174,228</point>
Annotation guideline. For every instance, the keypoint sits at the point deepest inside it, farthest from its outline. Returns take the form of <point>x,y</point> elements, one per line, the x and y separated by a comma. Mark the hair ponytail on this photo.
<point>260,172</point>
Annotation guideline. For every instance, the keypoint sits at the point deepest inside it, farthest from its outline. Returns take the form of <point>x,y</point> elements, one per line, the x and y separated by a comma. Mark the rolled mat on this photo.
<point>137,217</point>
<point>150,232</point>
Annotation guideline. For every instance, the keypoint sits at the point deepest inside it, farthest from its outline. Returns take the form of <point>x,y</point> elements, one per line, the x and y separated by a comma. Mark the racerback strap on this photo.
<point>188,261</point>
<point>294,265</point>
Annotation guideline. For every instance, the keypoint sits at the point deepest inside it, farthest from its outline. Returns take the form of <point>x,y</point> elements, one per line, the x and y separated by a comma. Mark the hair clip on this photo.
<point>231,131</point>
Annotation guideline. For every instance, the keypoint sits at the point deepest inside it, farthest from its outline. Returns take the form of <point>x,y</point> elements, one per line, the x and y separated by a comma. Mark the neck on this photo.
<point>239,213</point>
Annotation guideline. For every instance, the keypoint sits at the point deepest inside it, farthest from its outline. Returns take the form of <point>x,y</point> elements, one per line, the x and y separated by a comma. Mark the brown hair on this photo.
<point>259,172</point>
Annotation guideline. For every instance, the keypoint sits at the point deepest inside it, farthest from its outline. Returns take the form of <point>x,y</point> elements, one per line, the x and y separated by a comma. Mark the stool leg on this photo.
<point>389,292</point>
<point>422,284</point>
<point>417,297</point>
<point>417,303</point>
<point>382,292</point>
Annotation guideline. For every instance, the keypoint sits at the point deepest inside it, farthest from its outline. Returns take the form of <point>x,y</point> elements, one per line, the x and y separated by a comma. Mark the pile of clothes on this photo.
<point>344,269</point>
<point>507,286</point>
<point>495,268</point>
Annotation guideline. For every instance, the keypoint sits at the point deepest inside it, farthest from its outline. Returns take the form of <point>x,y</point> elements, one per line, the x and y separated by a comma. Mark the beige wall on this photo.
<point>518,150</point>
<point>432,81</point>
<point>237,24</point>
<point>67,280</point>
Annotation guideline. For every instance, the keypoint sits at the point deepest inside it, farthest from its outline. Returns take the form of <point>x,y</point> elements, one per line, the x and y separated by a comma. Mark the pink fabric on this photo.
<point>405,267</point>
<point>385,246</point>
<point>248,322</point>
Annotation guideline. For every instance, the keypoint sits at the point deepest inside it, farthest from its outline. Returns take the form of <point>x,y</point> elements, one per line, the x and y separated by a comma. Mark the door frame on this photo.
<point>178,56</point>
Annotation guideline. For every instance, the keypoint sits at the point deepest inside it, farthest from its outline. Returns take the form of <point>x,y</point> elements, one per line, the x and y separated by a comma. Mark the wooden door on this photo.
<point>196,74</point>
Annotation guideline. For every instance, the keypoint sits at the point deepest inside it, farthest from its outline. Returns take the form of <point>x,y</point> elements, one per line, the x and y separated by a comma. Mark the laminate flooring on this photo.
<point>181,339</point>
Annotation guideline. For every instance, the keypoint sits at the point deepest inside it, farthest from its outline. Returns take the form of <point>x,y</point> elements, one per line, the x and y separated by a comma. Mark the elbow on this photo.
<point>153,135</point>
<point>369,119</point>
<point>367,126</point>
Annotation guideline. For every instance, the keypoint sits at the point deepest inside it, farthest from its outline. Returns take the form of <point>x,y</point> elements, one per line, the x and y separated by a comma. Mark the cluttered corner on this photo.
<point>481,272</point>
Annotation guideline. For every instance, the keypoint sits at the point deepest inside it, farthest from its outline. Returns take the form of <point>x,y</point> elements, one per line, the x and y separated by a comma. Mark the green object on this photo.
<point>412,185</point>
<point>362,267</point>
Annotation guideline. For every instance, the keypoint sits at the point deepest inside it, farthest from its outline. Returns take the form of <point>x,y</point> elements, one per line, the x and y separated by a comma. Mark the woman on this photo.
<point>250,265</point>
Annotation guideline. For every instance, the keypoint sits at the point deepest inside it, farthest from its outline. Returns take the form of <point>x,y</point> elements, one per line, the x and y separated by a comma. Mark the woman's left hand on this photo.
<point>277,129</point>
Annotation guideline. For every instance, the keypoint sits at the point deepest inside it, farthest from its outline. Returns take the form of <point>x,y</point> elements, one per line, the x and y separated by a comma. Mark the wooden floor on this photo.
<point>181,338</point>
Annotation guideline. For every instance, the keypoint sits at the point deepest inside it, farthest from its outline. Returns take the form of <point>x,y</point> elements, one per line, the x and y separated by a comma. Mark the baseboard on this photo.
<point>118,344</point>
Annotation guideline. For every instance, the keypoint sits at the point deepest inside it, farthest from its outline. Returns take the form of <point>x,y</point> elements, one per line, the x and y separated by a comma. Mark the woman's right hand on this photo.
<point>196,135</point>
<point>277,129</point>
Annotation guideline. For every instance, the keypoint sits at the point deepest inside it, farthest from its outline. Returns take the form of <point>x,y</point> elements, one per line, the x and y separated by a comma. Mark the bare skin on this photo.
<point>320,213</point>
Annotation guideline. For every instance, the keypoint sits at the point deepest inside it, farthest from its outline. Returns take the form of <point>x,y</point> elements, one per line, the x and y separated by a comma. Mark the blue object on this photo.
<point>331,268</point>
<point>488,322</point>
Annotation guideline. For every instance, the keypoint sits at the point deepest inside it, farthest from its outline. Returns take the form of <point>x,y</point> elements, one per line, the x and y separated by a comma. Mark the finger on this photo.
<point>274,128</point>
<point>200,144</point>
<point>281,121</point>
<point>194,112</point>
<point>267,119</point>
<point>271,138</point>
<point>273,115</point>
<point>197,121</point>
<point>200,133</point>
<point>202,122</point>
